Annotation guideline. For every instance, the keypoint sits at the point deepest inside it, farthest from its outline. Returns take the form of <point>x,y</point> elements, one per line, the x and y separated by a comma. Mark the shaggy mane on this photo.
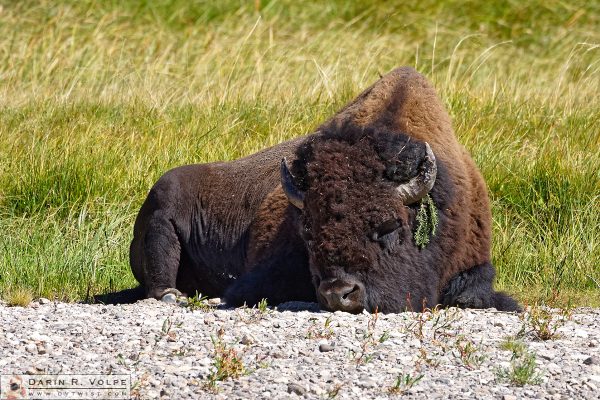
<point>398,153</point>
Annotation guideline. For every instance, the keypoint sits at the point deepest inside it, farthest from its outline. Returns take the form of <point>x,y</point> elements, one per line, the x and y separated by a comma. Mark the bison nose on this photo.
<point>342,295</point>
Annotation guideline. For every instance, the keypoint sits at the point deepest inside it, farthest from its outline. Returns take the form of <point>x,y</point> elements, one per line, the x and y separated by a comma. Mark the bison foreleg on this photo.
<point>474,289</point>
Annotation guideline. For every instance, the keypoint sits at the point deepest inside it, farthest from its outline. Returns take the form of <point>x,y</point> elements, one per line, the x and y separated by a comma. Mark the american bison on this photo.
<point>332,216</point>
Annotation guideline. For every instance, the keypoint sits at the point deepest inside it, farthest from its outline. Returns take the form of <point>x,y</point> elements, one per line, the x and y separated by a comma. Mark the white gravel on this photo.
<point>168,351</point>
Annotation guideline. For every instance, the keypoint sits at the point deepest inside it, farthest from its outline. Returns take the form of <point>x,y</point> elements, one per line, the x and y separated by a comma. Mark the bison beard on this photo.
<point>336,223</point>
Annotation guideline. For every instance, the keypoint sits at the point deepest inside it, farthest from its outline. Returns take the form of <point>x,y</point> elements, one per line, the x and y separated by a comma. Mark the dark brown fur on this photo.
<point>228,229</point>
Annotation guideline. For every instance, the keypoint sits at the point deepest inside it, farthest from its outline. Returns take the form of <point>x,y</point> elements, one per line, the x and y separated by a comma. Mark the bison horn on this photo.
<point>418,187</point>
<point>294,195</point>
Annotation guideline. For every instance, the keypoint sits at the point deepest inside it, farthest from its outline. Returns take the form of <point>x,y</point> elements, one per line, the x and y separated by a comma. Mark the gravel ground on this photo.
<point>296,351</point>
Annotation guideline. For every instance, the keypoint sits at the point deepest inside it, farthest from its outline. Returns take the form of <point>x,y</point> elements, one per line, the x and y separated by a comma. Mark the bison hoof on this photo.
<point>169,298</point>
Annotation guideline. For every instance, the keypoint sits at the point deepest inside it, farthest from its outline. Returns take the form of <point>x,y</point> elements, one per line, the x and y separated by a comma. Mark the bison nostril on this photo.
<point>353,290</point>
<point>337,294</point>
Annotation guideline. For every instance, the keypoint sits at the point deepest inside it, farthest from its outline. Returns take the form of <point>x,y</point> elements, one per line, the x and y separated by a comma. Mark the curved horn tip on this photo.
<point>430,166</point>
<point>429,151</point>
<point>295,196</point>
<point>418,187</point>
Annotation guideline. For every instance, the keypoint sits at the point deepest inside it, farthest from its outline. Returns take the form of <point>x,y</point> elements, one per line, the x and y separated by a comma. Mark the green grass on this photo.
<point>99,98</point>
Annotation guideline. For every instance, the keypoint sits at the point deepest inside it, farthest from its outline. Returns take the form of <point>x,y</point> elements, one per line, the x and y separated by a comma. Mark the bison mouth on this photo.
<point>341,295</point>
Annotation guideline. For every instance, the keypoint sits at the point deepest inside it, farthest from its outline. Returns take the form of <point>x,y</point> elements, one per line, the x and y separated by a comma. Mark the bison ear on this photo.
<point>294,195</point>
<point>418,187</point>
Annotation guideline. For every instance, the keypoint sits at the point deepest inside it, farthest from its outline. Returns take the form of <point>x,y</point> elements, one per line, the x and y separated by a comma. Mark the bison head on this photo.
<point>352,188</point>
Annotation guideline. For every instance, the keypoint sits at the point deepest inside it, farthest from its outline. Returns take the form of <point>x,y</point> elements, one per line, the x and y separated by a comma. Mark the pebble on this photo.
<point>41,348</point>
<point>593,360</point>
<point>295,388</point>
<point>176,360</point>
<point>367,382</point>
<point>325,347</point>
<point>215,301</point>
<point>247,340</point>
<point>169,298</point>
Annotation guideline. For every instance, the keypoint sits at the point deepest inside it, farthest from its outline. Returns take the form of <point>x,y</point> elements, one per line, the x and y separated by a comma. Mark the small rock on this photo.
<point>324,374</point>
<point>183,301</point>
<point>366,381</point>
<point>215,301</point>
<point>41,348</point>
<point>169,298</point>
<point>206,361</point>
<point>581,333</point>
<point>43,300</point>
<point>316,389</point>
<point>593,360</point>
<point>295,388</point>
<point>30,348</point>
<point>325,347</point>
<point>595,378</point>
<point>247,340</point>
<point>509,397</point>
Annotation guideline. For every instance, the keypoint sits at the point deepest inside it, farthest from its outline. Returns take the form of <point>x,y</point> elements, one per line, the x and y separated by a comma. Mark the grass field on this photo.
<point>99,98</point>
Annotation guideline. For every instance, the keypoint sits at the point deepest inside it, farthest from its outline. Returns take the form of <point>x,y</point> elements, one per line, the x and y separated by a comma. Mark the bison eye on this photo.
<point>386,228</point>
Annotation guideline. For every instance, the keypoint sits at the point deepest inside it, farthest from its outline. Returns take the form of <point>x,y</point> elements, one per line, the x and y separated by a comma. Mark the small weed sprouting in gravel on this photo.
<point>513,345</point>
<point>226,363</point>
<point>442,323</point>
<point>404,383</point>
<point>469,353</point>
<point>368,340</point>
<point>417,326</point>
<point>314,332</point>
<point>198,302</point>
<point>261,362</point>
<point>167,331</point>
<point>166,327</point>
<point>138,384</point>
<point>121,359</point>
<point>384,336</point>
<point>522,370</point>
<point>19,297</point>
<point>262,306</point>
<point>432,326</point>
<point>362,356</point>
<point>542,323</point>
<point>254,314</point>
<point>425,357</point>
<point>334,391</point>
